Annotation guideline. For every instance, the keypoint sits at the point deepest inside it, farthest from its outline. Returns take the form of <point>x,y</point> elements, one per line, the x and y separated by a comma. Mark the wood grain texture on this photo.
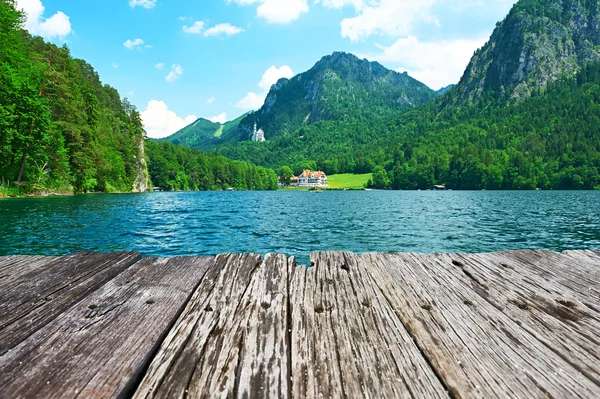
<point>100,347</point>
<point>507,324</point>
<point>41,295</point>
<point>346,338</point>
<point>478,350</point>
<point>12,268</point>
<point>199,357</point>
<point>575,270</point>
<point>548,311</point>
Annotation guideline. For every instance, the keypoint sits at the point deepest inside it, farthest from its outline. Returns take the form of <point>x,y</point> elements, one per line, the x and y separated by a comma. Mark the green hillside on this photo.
<point>61,129</point>
<point>204,133</point>
<point>524,116</point>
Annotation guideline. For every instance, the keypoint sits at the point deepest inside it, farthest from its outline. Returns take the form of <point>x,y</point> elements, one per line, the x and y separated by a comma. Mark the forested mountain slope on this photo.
<point>62,129</point>
<point>205,134</point>
<point>340,87</point>
<point>537,43</point>
<point>524,116</point>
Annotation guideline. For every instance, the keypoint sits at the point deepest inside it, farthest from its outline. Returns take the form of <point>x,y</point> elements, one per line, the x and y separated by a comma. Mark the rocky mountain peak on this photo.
<point>539,41</point>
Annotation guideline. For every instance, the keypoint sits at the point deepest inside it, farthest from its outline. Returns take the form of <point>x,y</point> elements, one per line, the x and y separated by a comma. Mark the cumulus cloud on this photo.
<point>142,3</point>
<point>223,29</point>
<point>387,17</point>
<point>159,66</point>
<point>401,17</point>
<point>133,44</point>
<point>251,101</point>
<point>435,63</point>
<point>56,26</point>
<point>159,121</point>
<point>220,29</point>
<point>210,100</point>
<point>273,74</point>
<point>221,118</point>
<point>196,28</point>
<point>176,72</point>
<point>270,77</point>
<point>277,11</point>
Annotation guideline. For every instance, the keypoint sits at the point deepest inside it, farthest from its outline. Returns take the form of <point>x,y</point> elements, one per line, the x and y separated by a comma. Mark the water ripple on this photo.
<point>296,223</point>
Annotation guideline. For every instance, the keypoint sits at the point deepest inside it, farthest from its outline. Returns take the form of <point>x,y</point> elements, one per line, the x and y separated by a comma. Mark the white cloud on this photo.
<point>133,44</point>
<point>400,17</point>
<point>196,28</point>
<point>142,3</point>
<point>269,78</point>
<point>387,17</point>
<point>210,100</point>
<point>131,93</point>
<point>437,64</point>
<point>159,121</point>
<point>220,29</point>
<point>277,11</point>
<point>115,65</point>
<point>159,66</point>
<point>251,101</point>
<point>273,74</point>
<point>221,118</point>
<point>223,29</point>
<point>57,26</point>
<point>176,72</point>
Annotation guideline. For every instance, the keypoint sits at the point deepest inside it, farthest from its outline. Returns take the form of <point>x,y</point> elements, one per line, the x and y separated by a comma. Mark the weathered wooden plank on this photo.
<point>545,309</point>
<point>13,268</point>
<point>200,355</point>
<point>101,346</point>
<point>574,270</point>
<point>40,295</point>
<point>476,350</point>
<point>262,370</point>
<point>346,339</point>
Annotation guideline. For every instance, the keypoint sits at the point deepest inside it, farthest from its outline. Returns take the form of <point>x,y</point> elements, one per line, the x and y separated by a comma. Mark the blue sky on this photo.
<point>177,60</point>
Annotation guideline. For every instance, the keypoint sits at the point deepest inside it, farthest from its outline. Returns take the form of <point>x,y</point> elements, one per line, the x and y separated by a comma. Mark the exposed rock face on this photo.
<point>141,181</point>
<point>338,87</point>
<point>537,42</point>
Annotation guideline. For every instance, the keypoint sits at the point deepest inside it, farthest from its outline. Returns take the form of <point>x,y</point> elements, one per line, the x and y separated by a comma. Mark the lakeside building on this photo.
<point>307,179</point>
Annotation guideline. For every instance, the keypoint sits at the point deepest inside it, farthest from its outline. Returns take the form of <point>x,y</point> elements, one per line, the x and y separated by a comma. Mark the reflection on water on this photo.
<point>296,223</point>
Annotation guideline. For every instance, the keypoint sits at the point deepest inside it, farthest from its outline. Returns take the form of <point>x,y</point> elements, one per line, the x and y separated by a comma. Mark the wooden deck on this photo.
<point>522,324</point>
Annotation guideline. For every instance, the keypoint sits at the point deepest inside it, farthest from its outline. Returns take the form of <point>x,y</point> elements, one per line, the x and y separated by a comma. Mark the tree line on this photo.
<point>61,129</point>
<point>550,141</point>
<point>180,168</point>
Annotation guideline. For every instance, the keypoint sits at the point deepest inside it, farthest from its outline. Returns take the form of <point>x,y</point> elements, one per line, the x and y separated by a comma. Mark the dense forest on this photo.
<point>179,168</point>
<point>523,116</point>
<point>551,141</point>
<point>62,129</point>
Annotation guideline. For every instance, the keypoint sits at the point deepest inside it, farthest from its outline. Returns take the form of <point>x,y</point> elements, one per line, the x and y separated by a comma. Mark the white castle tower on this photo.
<point>258,135</point>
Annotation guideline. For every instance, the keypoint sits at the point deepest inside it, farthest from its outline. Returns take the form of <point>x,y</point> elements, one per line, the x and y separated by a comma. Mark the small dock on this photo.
<point>521,324</point>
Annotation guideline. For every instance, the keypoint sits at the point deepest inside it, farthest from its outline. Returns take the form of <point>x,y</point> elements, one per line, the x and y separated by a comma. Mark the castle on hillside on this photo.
<point>258,135</point>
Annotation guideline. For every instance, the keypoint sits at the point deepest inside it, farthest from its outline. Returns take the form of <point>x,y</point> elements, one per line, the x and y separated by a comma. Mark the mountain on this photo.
<point>339,87</point>
<point>444,90</point>
<point>203,133</point>
<point>538,42</point>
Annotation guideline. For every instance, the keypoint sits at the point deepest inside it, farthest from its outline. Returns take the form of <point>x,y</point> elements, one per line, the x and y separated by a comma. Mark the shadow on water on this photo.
<point>296,223</point>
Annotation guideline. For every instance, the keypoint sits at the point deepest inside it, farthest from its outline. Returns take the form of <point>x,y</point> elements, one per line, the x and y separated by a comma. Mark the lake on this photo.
<point>298,222</point>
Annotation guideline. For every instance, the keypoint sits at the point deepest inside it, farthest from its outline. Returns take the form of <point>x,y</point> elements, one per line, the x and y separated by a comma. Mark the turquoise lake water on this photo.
<point>296,223</point>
